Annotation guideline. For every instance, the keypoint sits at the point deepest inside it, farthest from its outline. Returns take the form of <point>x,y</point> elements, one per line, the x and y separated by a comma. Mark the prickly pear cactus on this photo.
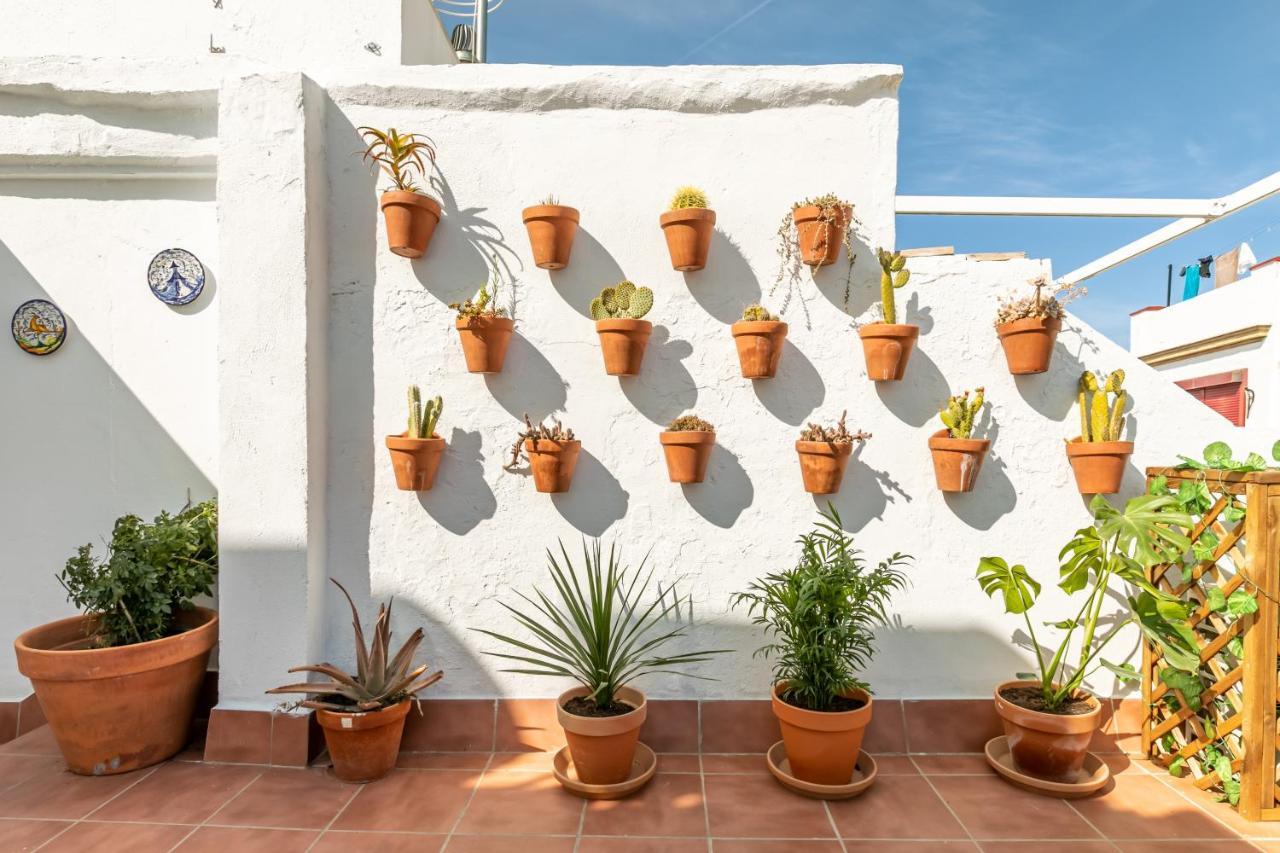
<point>623,300</point>
<point>893,275</point>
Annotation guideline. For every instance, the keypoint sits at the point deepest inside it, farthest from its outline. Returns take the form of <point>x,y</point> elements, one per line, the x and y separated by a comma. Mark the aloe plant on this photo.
<point>398,155</point>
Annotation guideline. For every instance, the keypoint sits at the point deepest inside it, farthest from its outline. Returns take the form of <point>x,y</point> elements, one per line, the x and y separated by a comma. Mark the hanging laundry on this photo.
<point>1191,287</point>
<point>1228,263</point>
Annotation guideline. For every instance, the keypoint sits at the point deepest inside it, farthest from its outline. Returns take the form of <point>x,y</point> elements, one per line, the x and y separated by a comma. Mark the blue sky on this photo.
<point>1002,97</point>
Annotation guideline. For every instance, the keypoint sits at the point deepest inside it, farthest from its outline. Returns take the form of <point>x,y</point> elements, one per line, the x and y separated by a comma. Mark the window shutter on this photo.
<point>1225,393</point>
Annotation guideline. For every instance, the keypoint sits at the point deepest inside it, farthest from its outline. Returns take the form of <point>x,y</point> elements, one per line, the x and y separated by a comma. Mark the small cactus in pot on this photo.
<point>687,225</point>
<point>619,314</point>
<point>957,456</point>
<point>686,443</point>
<point>1098,455</point>
<point>415,453</point>
<point>759,337</point>
<point>887,344</point>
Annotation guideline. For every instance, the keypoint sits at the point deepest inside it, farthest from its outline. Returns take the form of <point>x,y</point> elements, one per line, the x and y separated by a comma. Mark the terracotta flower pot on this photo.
<point>822,746</point>
<point>411,220</point>
<point>363,746</point>
<point>957,461</point>
<point>415,461</point>
<point>1048,746</point>
<point>687,452</point>
<point>551,230</point>
<point>887,348</point>
<point>688,234</point>
<point>603,748</point>
<point>484,341</point>
<point>759,345</point>
<point>122,708</point>
<point>820,240</point>
<point>822,465</point>
<point>552,463</point>
<point>623,343</point>
<point>1028,344</point>
<point>1098,465</point>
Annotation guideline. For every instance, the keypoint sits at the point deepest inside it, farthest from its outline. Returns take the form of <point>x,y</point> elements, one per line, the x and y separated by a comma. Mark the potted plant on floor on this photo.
<point>118,684</point>
<point>415,453</point>
<point>1048,716</point>
<point>957,457</point>
<point>824,454</point>
<point>887,344</point>
<point>686,444</point>
<point>603,629</point>
<point>362,714</point>
<point>623,334</point>
<point>411,215</point>
<point>1097,455</point>
<point>552,452</point>
<point>819,617</point>
<point>552,227</point>
<point>484,329</point>
<point>759,337</point>
<point>1029,325</point>
<point>687,225</point>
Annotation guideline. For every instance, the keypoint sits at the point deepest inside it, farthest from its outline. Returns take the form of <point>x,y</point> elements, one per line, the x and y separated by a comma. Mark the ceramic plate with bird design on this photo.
<point>176,276</point>
<point>39,327</point>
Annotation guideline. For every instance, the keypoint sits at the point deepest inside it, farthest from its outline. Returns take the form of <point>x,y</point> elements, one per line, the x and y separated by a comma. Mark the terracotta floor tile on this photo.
<point>916,847</point>
<point>1222,812</point>
<point>756,806</point>
<point>671,725</point>
<point>539,762</point>
<point>287,798</point>
<point>444,760</point>
<point>381,842</point>
<point>410,801</point>
<point>38,742</point>
<point>218,839</point>
<point>951,764</point>
<point>19,836</point>
<point>679,762</point>
<point>738,725</point>
<point>950,725</point>
<point>179,793</point>
<point>989,807</point>
<point>1141,807</point>
<point>671,804</point>
<point>719,762</point>
<point>16,769</point>
<point>52,792</point>
<point>1121,763</point>
<point>720,845</point>
<point>896,808</point>
<point>887,732</point>
<point>510,843</point>
<point>509,802</point>
<point>1053,847</point>
<point>115,837</point>
<point>895,765</point>
<point>525,725</point>
<point>596,844</point>
<point>450,724</point>
<point>1199,846</point>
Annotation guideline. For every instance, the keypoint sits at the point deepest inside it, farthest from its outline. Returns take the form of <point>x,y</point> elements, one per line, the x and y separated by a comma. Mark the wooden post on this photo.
<point>1257,775</point>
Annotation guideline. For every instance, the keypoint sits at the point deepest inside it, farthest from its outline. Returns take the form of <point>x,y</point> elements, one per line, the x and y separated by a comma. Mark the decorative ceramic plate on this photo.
<point>176,276</point>
<point>39,327</point>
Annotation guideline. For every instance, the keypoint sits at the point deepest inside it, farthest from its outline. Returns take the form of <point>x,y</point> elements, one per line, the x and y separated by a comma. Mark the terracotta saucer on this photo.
<point>864,775</point>
<point>1095,774</point>
<point>643,766</point>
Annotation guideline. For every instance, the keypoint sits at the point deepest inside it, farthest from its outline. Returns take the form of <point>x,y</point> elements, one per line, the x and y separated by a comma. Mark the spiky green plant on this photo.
<point>398,155</point>
<point>622,301</point>
<point>893,275</point>
<point>960,412</point>
<point>687,197</point>
<point>757,312</point>
<point>1102,419</point>
<point>423,418</point>
<point>381,679</point>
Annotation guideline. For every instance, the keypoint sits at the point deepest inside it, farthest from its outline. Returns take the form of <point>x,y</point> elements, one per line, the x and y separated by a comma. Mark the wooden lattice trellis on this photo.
<point>1237,713</point>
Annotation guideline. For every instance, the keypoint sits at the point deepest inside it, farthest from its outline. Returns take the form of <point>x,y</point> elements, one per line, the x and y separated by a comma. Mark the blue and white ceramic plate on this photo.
<point>39,327</point>
<point>176,276</point>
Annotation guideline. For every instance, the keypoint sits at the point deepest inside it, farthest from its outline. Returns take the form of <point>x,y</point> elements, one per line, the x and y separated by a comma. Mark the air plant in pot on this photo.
<point>552,227</point>
<point>957,455</point>
<point>1028,325</point>
<point>416,452</point>
<point>687,224</point>
<point>759,337</point>
<point>619,314</point>
<point>824,454</point>
<point>410,214</point>
<point>887,344</point>
<point>484,328</point>
<point>552,452</point>
<point>686,444</point>
<point>1098,455</point>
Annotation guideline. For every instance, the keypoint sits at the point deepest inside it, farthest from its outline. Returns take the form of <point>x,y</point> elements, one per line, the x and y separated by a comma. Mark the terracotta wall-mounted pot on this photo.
<point>822,465</point>
<point>1098,465</point>
<point>363,746</point>
<point>552,463</point>
<point>688,234</point>
<point>622,342</point>
<point>687,452</point>
<point>603,748</point>
<point>411,220</point>
<point>484,341</point>
<point>887,348</point>
<point>1047,746</point>
<point>117,709</point>
<point>551,230</point>
<point>957,461</point>
<point>1028,344</point>
<point>759,345</point>
<point>415,461</point>
<point>822,746</point>
<point>820,240</point>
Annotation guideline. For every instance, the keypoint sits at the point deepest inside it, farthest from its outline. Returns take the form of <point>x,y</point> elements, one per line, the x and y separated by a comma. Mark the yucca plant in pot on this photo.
<point>824,454</point>
<point>362,714</point>
<point>887,344</point>
<point>619,312</point>
<point>957,455</point>
<point>484,328</point>
<point>820,619</point>
<point>1098,455</point>
<point>602,628</point>
<point>411,215</point>
<point>687,224</point>
<point>416,452</point>
<point>686,444</point>
<point>759,337</point>
<point>552,227</point>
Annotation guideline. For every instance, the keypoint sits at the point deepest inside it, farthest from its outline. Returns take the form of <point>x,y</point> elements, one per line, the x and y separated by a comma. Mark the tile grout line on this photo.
<point>461,814</point>
<point>826,807</point>
<point>214,813</point>
<point>1177,789</point>
<point>963,826</point>
<point>334,819</point>
<point>702,785</point>
<point>493,733</point>
<point>906,734</point>
<point>582,820</point>
<point>100,805</point>
<point>1089,823</point>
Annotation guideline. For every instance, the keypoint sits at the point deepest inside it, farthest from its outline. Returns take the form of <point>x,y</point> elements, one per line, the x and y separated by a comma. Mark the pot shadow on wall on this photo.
<point>1053,394</point>
<point>919,396</point>
<point>865,493</point>
<point>993,494</point>
<point>595,500</point>
<point>863,280</point>
<point>664,389</point>
<point>591,269</point>
<point>727,284</point>
<point>460,498</point>
<point>796,391</point>
<point>725,493</point>
<point>528,383</point>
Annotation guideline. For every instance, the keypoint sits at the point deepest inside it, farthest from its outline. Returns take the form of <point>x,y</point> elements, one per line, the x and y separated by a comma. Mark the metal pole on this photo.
<point>1168,288</point>
<point>482,29</point>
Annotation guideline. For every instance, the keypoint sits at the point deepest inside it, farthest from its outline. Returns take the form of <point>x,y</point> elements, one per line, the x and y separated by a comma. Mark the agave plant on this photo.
<point>380,681</point>
<point>398,155</point>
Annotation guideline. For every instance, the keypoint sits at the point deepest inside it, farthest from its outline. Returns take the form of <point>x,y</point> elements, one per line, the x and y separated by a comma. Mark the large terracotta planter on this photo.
<point>363,746</point>
<point>688,234</point>
<point>117,709</point>
<point>1098,465</point>
<point>551,230</point>
<point>552,463</point>
<point>759,345</point>
<point>415,461</point>
<point>603,748</point>
<point>484,341</point>
<point>1047,746</point>
<point>957,461</point>
<point>822,465</point>
<point>887,348</point>
<point>623,342</point>
<point>822,746</point>
<point>687,452</point>
<point>411,219</point>
<point>1028,344</point>
<point>820,240</point>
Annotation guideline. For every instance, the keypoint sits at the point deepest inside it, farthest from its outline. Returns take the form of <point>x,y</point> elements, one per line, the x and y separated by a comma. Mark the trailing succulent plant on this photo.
<point>893,275</point>
<point>381,679</point>
<point>688,197</point>
<point>398,155</point>
<point>555,432</point>
<point>1036,305</point>
<point>690,423</point>
<point>959,415</point>
<point>1101,419</point>
<point>423,418</point>
<point>622,301</point>
<point>790,261</point>
<point>757,313</point>
<point>838,434</point>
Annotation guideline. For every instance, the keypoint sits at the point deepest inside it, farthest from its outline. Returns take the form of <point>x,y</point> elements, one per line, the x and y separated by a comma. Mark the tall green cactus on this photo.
<point>622,301</point>
<point>423,418</point>
<point>960,413</point>
<point>893,274</point>
<point>1102,419</point>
